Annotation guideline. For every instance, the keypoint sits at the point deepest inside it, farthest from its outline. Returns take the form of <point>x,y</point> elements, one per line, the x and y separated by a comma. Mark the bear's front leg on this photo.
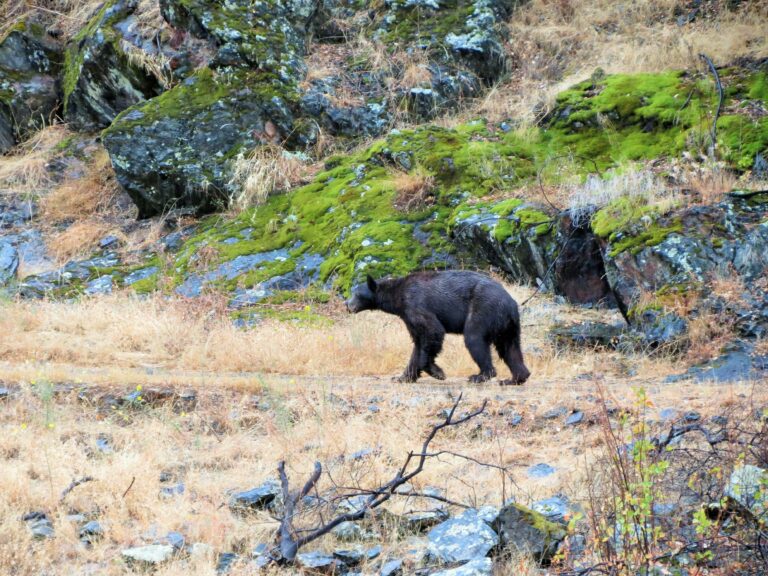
<point>412,370</point>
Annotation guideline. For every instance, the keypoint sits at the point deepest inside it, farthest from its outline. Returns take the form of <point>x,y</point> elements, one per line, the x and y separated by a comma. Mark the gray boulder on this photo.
<point>529,532</point>
<point>150,554</point>
<point>176,150</point>
<point>748,485</point>
<point>9,261</point>
<point>463,538</point>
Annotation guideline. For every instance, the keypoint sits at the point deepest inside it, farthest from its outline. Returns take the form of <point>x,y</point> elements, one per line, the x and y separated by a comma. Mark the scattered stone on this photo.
<point>748,485</point>
<point>150,554</point>
<point>515,419</point>
<point>667,414</point>
<point>4,392</point>
<point>575,418</point>
<point>392,568</point>
<point>140,274</point>
<point>416,522</point>
<point>591,335</point>
<point>476,567</point>
<point>39,524</point>
<point>719,420</point>
<point>100,285</point>
<point>540,470</point>
<point>320,562</point>
<point>175,539</point>
<point>692,416</point>
<point>9,262</point>
<point>529,532</point>
<point>554,509</point>
<point>104,444</point>
<point>462,538</point>
<point>262,497</point>
<point>348,532</point>
<point>736,364</point>
<point>225,561</point>
<point>355,556</point>
<point>91,532</point>
<point>558,412</point>
<point>108,241</point>
<point>171,491</point>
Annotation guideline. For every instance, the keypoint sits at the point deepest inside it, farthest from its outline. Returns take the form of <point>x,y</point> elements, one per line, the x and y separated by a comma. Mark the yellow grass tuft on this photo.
<point>25,169</point>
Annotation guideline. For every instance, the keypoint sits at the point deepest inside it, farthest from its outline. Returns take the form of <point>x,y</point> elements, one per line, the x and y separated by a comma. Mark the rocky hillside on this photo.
<point>298,145</point>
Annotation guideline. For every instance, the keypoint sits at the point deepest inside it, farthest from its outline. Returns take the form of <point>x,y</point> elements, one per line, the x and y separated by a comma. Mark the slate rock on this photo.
<point>554,509</point>
<point>150,554</point>
<point>91,531</point>
<point>319,562</point>
<point>392,568</point>
<point>541,470</point>
<point>475,567</point>
<point>225,561</point>
<point>575,418</point>
<point>262,497</point>
<point>39,525</point>
<point>529,532</point>
<point>348,531</point>
<point>9,261</point>
<point>462,538</point>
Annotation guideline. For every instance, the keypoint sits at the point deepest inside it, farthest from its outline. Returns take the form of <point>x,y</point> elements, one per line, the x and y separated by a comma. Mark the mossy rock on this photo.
<point>100,79</point>
<point>174,150</point>
<point>650,251</point>
<point>640,116</point>
<point>268,35</point>
<point>29,93</point>
<point>522,530</point>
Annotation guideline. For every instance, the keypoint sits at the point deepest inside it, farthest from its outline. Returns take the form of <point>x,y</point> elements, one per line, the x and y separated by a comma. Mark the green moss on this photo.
<point>631,224</point>
<point>758,88</point>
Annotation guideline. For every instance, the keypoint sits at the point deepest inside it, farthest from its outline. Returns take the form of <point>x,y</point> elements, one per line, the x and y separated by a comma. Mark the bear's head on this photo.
<point>363,297</point>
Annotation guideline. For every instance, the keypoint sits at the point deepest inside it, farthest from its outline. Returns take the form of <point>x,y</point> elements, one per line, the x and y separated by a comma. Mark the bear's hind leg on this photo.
<point>508,347</point>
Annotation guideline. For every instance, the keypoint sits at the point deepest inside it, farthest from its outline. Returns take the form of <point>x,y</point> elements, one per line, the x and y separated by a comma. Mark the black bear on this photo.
<point>456,302</point>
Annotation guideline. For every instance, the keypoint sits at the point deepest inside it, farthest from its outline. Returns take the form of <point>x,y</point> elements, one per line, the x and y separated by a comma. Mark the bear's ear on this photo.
<point>371,283</point>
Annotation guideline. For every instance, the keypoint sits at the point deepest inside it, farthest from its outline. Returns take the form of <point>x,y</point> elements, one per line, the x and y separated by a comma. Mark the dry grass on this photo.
<point>558,43</point>
<point>230,441</point>
<point>65,16</point>
<point>25,169</point>
<point>267,170</point>
<point>80,198</point>
<point>414,190</point>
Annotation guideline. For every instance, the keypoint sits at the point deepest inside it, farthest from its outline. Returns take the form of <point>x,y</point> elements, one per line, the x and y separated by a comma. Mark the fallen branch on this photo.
<point>289,541</point>
<point>74,484</point>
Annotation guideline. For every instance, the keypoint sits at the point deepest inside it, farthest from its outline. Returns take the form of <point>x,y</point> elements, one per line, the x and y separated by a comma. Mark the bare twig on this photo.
<point>290,539</point>
<point>129,487</point>
<point>713,132</point>
<point>74,484</point>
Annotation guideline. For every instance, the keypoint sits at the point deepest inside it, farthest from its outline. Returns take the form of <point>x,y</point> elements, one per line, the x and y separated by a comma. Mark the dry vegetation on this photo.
<point>278,391</point>
<point>268,169</point>
<point>556,43</point>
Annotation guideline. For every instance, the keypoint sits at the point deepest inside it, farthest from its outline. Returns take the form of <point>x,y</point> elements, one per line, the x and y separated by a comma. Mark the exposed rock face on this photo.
<point>531,244</point>
<point>681,251</point>
<point>29,95</point>
<point>101,79</point>
<point>175,150</point>
<point>172,151</point>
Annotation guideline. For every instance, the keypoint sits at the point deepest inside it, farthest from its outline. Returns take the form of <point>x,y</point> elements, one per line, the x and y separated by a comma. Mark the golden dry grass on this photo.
<point>25,169</point>
<point>268,169</point>
<point>414,190</point>
<point>318,382</point>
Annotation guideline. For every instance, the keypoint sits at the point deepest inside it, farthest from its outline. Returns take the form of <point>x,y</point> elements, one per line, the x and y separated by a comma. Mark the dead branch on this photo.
<point>290,539</point>
<point>713,132</point>
<point>74,484</point>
